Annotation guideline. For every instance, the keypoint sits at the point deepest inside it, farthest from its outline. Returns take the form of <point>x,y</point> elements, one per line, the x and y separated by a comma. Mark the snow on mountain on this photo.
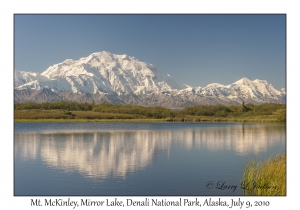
<point>23,77</point>
<point>256,91</point>
<point>104,72</point>
<point>260,89</point>
<point>118,75</point>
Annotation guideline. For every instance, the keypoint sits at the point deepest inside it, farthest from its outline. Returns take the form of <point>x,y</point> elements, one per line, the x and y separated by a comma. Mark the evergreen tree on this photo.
<point>245,108</point>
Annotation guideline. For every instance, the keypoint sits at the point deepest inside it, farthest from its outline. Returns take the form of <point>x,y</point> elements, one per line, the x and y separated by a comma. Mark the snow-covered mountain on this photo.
<point>23,77</point>
<point>104,72</point>
<point>107,77</point>
<point>256,91</point>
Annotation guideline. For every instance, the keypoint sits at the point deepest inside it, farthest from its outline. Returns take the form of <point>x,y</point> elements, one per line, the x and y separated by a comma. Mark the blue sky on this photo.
<point>194,49</point>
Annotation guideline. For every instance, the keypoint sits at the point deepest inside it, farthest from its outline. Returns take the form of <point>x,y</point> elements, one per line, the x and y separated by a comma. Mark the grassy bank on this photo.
<point>265,178</point>
<point>90,116</point>
<point>73,111</point>
<point>89,120</point>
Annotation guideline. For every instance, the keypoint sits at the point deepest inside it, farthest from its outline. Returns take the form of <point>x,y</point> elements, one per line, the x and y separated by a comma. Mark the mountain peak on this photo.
<point>214,85</point>
<point>244,81</point>
<point>107,72</point>
<point>101,53</point>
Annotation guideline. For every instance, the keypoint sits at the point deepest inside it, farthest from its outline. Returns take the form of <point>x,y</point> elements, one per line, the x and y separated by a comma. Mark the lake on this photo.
<point>139,158</point>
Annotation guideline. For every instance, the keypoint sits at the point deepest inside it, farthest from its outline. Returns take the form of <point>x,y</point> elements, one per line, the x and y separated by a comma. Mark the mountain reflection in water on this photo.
<point>116,153</point>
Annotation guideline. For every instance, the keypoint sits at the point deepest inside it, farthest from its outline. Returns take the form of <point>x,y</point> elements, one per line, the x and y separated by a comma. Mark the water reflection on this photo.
<point>116,153</point>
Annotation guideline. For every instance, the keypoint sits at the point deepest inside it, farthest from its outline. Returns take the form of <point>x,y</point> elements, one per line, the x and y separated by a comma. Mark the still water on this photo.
<point>139,158</point>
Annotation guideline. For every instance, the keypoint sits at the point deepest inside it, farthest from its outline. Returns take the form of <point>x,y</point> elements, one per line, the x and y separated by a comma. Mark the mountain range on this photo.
<point>104,77</point>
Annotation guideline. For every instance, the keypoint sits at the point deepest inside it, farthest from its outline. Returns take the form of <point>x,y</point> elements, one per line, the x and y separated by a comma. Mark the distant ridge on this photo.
<point>106,77</point>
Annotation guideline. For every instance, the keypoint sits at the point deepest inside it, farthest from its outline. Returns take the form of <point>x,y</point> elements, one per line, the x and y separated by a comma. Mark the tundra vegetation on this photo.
<point>72,111</point>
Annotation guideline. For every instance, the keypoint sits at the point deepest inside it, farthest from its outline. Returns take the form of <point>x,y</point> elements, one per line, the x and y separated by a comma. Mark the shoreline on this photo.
<point>85,112</point>
<point>147,120</point>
